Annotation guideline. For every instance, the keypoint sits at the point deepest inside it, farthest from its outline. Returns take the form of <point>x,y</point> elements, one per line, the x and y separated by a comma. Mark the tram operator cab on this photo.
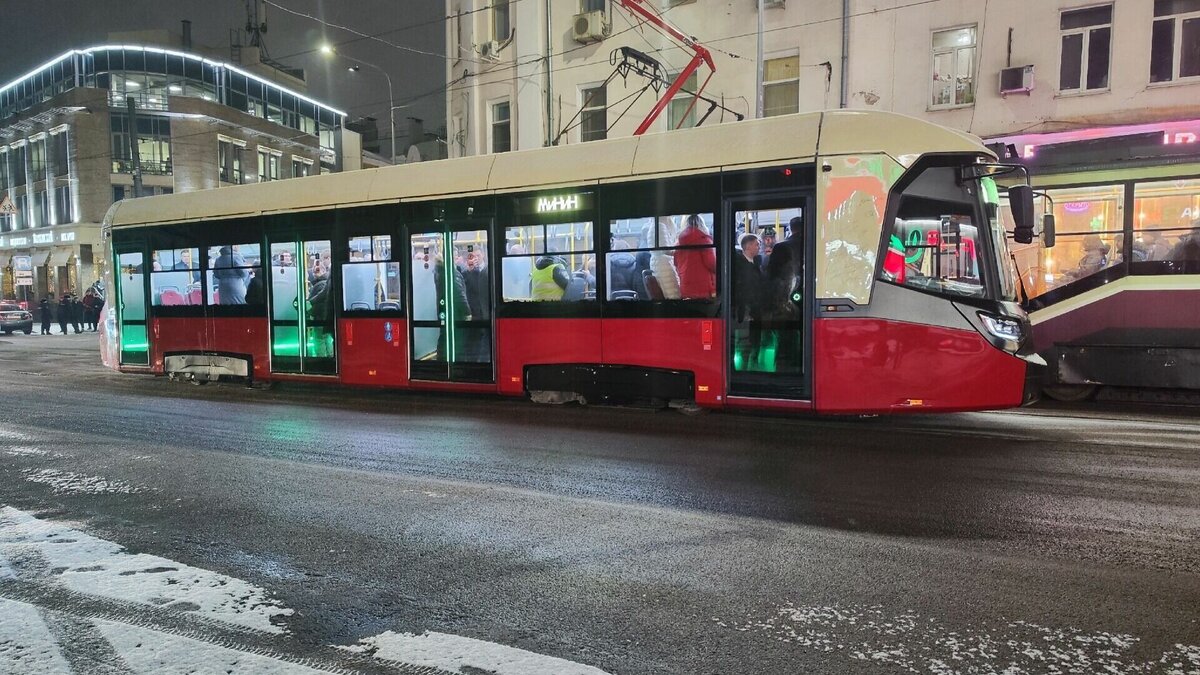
<point>840,262</point>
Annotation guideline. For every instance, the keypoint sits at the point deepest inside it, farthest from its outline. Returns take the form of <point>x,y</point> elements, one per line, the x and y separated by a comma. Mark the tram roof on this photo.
<point>771,141</point>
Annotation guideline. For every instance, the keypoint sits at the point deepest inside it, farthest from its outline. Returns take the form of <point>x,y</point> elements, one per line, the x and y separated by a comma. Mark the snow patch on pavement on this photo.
<point>454,653</point>
<point>8,433</point>
<point>26,645</point>
<point>147,651</point>
<point>25,451</point>
<point>913,643</point>
<point>66,482</point>
<point>96,567</point>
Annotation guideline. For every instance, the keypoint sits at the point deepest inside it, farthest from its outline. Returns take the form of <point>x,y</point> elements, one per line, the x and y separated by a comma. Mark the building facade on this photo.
<point>97,125</point>
<point>1101,98</point>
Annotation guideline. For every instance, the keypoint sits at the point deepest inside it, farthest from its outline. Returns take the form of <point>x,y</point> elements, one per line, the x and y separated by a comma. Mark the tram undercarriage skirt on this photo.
<point>597,383</point>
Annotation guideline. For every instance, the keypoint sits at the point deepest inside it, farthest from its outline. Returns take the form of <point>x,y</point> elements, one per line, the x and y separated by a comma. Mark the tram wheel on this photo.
<point>1070,393</point>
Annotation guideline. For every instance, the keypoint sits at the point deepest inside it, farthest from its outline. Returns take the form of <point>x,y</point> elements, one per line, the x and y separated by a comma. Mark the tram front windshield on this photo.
<point>942,240</point>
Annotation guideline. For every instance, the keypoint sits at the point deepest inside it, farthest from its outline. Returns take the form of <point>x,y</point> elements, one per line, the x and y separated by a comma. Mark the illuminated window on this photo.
<point>1175,40</point>
<point>953,67</point>
<point>549,263</point>
<point>781,86</point>
<point>654,258</point>
<point>1086,41</point>
<point>370,278</point>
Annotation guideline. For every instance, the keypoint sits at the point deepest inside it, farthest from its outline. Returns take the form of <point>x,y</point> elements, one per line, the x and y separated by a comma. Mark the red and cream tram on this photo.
<point>837,262</point>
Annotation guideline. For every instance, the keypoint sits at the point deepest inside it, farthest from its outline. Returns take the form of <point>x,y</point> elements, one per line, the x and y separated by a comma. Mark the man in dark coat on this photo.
<point>478,289</point>
<point>785,281</point>
<point>64,312</point>
<point>44,308</point>
<point>748,291</point>
<point>231,274</point>
<point>77,313</point>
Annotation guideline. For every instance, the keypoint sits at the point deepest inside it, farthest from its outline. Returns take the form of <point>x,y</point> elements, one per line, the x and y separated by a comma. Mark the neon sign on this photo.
<point>557,203</point>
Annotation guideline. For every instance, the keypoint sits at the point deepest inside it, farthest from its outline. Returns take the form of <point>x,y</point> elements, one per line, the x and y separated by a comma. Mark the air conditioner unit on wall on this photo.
<point>490,50</point>
<point>1016,80</point>
<point>590,27</point>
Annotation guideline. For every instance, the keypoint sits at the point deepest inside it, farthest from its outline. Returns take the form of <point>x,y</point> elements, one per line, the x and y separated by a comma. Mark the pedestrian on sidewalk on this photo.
<point>45,310</point>
<point>91,311</point>
<point>77,313</point>
<point>64,312</point>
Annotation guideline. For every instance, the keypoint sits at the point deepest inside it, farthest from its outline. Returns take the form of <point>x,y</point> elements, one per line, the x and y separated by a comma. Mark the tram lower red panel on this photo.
<point>244,336</point>
<point>373,352</point>
<point>176,335</point>
<point>677,344</point>
<point>522,342</point>
<point>876,365</point>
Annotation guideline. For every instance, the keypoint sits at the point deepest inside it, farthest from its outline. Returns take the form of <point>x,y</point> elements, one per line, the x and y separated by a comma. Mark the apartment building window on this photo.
<point>301,168</point>
<point>1086,45</point>
<point>41,209</point>
<point>953,67</point>
<point>1175,40</point>
<point>4,182</point>
<point>37,158</point>
<point>273,166</point>
<point>781,86</point>
<point>501,127</point>
<point>593,5</point>
<point>58,153</point>
<point>681,113</point>
<point>262,166</point>
<point>594,116</point>
<point>17,168</point>
<point>229,159</point>
<point>501,26</point>
<point>62,205</point>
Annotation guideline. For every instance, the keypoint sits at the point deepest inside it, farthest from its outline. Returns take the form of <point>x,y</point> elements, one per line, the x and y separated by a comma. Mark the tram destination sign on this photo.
<point>559,202</point>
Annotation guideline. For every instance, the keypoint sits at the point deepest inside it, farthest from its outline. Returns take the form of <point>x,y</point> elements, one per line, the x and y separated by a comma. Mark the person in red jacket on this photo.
<point>697,266</point>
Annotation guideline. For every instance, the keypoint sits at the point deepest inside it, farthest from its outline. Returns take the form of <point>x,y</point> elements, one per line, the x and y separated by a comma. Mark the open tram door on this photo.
<point>302,299</point>
<point>450,300</point>
<point>769,326</point>
<point>132,297</point>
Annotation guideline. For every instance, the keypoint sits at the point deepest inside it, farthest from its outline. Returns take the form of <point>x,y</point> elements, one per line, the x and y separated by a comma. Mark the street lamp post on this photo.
<point>328,50</point>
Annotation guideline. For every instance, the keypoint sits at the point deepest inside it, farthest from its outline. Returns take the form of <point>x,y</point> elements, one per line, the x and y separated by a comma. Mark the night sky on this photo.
<point>35,32</point>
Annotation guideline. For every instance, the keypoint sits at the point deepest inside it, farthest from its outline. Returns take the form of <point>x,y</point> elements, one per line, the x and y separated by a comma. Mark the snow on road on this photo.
<point>47,553</point>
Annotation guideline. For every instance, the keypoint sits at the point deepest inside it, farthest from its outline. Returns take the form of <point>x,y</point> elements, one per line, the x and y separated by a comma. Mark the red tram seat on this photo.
<point>194,297</point>
<point>171,297</point>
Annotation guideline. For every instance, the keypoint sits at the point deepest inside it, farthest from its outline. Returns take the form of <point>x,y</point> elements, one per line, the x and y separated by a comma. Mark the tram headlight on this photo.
<point>1002,327</point>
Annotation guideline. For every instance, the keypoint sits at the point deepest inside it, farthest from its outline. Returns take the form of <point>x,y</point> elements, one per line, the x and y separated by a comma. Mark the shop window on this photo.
<point>371,278</point>
<point>1086,37</point>
<point>953,67</point>
<point>658,258</point>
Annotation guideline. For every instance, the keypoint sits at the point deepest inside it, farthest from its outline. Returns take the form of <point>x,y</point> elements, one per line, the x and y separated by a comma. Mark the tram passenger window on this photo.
<point>233,275</point>
<point>371,280</point>
<point>549,263</point>
<point>668,257</point>
<point>175,277</point>
<point>934,243</point>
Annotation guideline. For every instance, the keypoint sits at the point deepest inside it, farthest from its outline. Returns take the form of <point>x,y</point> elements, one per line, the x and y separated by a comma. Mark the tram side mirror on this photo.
<point>1020,200</point>
<point>1048,230</point>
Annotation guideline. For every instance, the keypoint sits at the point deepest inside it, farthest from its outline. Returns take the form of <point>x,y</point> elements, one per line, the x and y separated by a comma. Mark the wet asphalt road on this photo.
<point>644,542</point>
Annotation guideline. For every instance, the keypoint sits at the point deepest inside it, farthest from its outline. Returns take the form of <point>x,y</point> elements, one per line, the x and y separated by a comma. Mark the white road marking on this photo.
<point>101,568</point>
<point>454,653</point>
<point>92,566</point>
<point>66,482</point>
<point>26,645</point>
<point>913,643</point>
<point>148,651</point>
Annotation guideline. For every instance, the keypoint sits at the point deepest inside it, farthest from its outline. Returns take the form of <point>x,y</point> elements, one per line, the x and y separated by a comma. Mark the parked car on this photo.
<point>13,318</point>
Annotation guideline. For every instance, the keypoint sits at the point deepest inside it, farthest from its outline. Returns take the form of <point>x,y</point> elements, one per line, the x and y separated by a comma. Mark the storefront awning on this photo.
<point>41,259</point>
<point>59,257</point>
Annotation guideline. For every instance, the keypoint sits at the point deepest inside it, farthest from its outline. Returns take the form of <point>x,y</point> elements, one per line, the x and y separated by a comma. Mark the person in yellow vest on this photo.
<point>550,278</point>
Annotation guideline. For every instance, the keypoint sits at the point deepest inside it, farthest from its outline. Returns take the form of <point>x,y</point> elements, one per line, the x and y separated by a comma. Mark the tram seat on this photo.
<point>171,297</point>
<point>623,295</point>
<point>195,297</point>
<point>389,306</point>
<point>360,305</point>
<point>653,288</point>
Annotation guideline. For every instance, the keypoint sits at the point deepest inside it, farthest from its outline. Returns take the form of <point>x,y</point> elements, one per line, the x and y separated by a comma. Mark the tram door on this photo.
<point>131,294</point>
<point>451,317</point>
<point>303,336</point>
<point>768,325</point>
